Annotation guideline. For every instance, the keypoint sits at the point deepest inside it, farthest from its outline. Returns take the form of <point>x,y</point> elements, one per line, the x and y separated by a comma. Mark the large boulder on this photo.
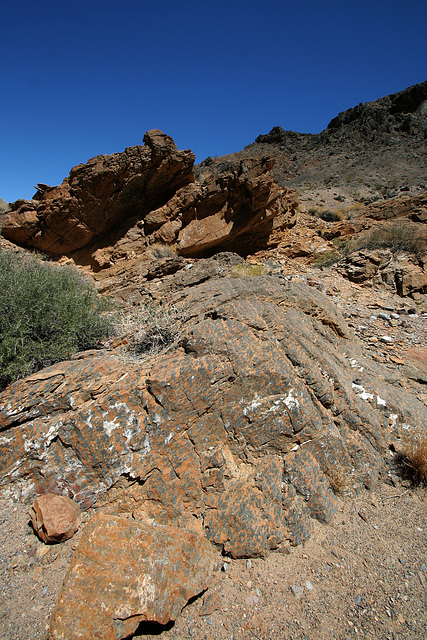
<point>125,572</point>
<point>237,432</point>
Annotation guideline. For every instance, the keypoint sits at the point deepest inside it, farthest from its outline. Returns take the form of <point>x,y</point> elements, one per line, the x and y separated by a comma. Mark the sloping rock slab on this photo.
<point>100,195</point>
<point>235,433</point>
<point>125,572</point>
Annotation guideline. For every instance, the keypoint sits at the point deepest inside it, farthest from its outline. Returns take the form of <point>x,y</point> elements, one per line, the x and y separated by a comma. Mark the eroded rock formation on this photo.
<point>234,433</point>
<point>115,206</point>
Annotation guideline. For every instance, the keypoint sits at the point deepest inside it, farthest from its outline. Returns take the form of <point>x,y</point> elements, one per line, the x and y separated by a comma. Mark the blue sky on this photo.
<point>83,78</point>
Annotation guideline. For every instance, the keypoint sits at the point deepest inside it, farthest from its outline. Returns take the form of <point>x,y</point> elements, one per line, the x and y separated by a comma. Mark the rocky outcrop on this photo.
<point>404,111</point>
<point>116,206</point>
<point>125,572</point>
<point>370,152</point>
<point>237,211</point>
<point>400,271</point>
<point>235,432</point>
<point>412,207</point>
<point>101,195</point>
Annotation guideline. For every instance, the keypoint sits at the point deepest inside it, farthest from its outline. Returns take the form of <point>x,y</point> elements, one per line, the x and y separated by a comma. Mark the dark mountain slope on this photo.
<point>371,151</point>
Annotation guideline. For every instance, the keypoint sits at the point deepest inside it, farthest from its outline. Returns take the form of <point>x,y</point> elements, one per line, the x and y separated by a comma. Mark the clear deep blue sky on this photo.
<point>83,78</point>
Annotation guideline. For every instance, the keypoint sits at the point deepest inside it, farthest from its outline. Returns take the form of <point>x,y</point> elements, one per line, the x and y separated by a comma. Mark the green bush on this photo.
<point>47,313</point>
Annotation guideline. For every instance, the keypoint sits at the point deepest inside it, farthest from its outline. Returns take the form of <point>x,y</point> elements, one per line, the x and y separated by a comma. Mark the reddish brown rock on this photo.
<point>232,432</point>
<point>400,271</point>
<point>101,195</point>
<point>54,518</point>
<point>125,572</point>
<point>114,207</point>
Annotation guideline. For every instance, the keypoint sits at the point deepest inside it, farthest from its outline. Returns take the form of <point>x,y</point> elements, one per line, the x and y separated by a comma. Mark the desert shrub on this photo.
<point>330,216</point>
<point>327,258</point>
<point>342,248</point>
<point>47,313</point>
<point>412,460</point>
<point>399,236</point>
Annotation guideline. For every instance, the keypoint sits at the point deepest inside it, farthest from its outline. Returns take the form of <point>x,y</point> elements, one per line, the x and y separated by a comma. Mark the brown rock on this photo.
<point>101,195</point>
<point>400,271</point>
<point>233,432</point>
<point>125,572</point>
<point>54,518</point>
<point>114,206</point>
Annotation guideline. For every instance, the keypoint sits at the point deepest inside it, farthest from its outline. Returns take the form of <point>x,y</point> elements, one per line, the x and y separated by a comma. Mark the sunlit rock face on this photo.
<point>236,432</point>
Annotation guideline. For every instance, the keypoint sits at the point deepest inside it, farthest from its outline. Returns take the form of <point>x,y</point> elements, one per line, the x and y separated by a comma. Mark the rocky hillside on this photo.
<point>251,388</point>
<point>373,151</point>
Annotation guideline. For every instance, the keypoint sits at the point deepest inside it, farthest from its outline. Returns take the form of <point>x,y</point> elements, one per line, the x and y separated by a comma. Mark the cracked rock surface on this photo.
<point>234,433</point>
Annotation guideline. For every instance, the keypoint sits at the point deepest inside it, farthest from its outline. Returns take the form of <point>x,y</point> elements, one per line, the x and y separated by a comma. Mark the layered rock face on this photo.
<point>100,195</point>
<point>235,433</point>
<point>115,206</point>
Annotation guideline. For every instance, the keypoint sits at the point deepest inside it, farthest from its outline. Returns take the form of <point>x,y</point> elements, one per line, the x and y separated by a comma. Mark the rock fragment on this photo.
<point>54,518</point>
<point>125,572</point>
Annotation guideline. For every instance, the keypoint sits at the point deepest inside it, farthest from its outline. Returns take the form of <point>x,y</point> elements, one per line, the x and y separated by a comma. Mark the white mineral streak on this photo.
<point>362,393</point>
<point>8,410</point>
<point>256,402</point>
<point>291,401</point>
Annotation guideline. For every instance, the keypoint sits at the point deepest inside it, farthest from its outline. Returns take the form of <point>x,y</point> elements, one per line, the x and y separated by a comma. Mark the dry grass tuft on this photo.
<point>413,460</point>
<point>158,250</point>
<point>151,329</point>
<point>248,270</point>
<point>339,478</point>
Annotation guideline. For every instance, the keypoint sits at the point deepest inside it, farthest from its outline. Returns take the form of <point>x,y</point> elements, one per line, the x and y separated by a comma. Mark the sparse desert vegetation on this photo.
<point>46,314</point>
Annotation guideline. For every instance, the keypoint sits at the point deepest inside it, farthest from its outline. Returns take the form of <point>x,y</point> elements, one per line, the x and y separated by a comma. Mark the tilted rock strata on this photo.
<point>99,196</point>
<point>234,434</point>
<point>125,572</point>
<point>114,206</point>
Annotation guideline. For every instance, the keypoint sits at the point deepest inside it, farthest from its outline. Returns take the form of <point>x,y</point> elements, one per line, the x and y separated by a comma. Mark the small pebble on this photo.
<point>248,564</point>
<point>225,566</point>
<point>309,586</point>
<point>296,590</point>
<point>386,339</point>
<point>358,599</point>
